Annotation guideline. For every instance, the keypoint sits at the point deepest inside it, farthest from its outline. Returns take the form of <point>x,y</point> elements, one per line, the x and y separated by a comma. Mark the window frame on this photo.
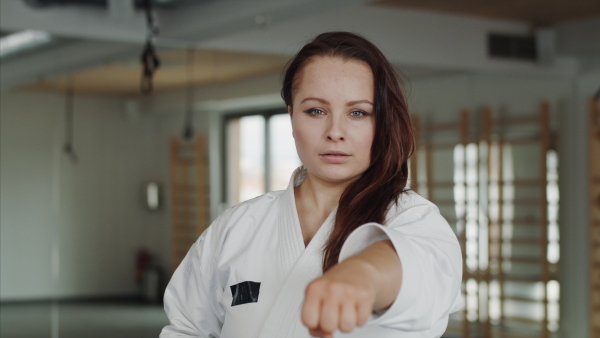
<point>266,114</point>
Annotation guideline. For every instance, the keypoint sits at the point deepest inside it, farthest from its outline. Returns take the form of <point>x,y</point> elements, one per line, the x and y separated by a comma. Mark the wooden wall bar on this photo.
<point>539,128</point>
<point>594,179</point>
<point>456,134</point>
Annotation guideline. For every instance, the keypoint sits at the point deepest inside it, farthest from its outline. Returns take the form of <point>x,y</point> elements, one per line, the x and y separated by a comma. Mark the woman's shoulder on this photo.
<point>410,207</point>
<point>411,198</point>
<point>251,209</point>
<point>256,204</point>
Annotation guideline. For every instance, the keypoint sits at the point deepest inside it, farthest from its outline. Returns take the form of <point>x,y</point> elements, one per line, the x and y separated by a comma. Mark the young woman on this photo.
<point>347,250</point>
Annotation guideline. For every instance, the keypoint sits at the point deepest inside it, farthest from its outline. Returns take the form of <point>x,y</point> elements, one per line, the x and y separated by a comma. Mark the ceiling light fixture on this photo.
<point>23,40</point>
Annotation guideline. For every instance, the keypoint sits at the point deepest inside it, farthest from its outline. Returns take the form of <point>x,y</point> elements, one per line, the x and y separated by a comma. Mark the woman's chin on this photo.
<point>337,175</point>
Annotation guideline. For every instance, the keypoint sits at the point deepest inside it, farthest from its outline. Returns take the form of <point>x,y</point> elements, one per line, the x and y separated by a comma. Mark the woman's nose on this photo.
<point>335,129</point>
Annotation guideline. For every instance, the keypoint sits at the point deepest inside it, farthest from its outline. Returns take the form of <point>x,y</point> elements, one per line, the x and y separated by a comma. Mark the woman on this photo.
<point>346,250</point>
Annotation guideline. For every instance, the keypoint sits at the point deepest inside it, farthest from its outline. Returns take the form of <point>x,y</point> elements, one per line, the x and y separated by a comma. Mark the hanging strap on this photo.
<point>150,61</point>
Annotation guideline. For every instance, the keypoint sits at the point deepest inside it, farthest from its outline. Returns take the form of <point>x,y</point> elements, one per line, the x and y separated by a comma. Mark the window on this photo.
<point>260,154</point>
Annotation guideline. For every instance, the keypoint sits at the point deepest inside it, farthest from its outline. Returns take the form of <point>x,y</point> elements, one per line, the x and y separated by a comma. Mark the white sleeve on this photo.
<point>192,297</point>
<point>431,268</point>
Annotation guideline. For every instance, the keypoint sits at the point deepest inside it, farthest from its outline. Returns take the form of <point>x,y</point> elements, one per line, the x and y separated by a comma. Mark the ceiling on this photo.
<point>179,68</point>
<point>98,47</point>
<point>96,44</point>
<point>536,12</point>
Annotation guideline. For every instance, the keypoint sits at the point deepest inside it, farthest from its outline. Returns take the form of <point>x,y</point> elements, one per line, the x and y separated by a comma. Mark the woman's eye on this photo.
<point>315,112</point>
<point>358,113</point>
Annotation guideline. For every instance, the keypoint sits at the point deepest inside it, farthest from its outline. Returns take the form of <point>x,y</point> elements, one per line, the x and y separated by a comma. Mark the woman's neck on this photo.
<point>319,195</point>
<point>315,200</point>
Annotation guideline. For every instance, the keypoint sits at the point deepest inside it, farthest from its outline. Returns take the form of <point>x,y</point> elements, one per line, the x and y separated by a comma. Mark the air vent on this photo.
<point>513,47</point>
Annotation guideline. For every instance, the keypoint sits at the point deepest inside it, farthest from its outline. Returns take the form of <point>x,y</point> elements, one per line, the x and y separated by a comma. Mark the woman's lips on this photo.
<point>334,157</point>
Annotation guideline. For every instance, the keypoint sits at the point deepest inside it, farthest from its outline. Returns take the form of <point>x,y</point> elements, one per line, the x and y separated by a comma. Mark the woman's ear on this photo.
<point>289,108</point>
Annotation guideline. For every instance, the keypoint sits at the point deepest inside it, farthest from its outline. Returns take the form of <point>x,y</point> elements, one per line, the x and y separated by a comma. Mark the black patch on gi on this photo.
<point>244,292</point>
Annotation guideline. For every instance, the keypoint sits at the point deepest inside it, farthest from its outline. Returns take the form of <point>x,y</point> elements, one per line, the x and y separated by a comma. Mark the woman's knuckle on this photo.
<point>328,326</point>
<point>346,328</point>
<point>313,288</point>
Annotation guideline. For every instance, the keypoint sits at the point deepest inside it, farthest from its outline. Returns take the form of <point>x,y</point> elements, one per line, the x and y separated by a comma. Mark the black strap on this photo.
<point>150,61</point>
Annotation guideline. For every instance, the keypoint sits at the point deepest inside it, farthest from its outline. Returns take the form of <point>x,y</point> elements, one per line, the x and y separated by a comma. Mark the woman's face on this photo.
<point>333,118</point>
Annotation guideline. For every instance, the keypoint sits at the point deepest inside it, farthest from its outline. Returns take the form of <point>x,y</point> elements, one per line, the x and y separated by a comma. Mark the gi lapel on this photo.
<point>286,309</point>
<point>290,243</point>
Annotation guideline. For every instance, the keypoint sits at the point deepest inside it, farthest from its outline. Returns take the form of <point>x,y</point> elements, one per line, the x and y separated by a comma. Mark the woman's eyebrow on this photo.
<point>351,103</point>
<point>315,99</point>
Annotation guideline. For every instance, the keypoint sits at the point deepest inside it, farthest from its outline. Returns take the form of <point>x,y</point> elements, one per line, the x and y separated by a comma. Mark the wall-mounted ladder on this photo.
<point>189,216</point>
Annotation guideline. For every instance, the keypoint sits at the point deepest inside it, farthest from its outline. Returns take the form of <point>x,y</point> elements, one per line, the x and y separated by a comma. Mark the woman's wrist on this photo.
<point>381,269</point>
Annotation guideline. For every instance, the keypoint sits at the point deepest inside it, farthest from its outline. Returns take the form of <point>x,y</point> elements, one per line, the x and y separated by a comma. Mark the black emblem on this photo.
<point>244,292</point>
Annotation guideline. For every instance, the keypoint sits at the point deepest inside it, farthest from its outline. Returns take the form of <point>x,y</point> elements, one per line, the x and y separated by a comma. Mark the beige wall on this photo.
<point>69,229</point>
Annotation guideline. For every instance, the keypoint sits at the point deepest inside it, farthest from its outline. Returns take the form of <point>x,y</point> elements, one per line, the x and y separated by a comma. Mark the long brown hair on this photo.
<point>368,198</point>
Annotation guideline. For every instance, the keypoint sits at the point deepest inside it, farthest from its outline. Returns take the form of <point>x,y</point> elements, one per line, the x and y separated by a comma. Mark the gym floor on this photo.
<point>78,319</point>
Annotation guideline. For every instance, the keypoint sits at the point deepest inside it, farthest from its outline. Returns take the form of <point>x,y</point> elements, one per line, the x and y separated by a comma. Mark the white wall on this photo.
<point>70,230</point>
<point>441,98</point>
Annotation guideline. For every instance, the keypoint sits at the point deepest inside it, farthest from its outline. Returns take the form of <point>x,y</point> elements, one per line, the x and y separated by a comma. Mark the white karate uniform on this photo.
<point>260,241</point>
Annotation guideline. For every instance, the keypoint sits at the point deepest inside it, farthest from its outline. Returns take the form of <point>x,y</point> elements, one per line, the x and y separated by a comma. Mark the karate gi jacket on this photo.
<point>247,273</point>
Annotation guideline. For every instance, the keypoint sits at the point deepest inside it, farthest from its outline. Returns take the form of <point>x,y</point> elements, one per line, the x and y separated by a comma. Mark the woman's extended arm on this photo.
<point>348,293</point>
<point>409,272</point>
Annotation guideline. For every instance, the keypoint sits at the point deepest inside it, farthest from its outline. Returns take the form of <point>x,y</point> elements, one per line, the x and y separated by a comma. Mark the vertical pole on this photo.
<point>267,154</point>
<point>487,137</point>
<point>464,140</point>
<point>594,179</point>
<point>545,146</point>
<point>233,161</point>
<point>501,224</point>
